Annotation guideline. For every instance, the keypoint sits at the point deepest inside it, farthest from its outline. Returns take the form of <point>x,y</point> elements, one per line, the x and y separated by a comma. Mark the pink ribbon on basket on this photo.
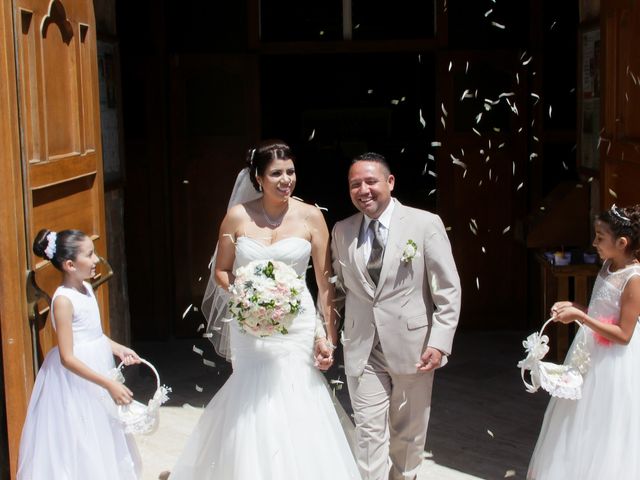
<point>605,342</point>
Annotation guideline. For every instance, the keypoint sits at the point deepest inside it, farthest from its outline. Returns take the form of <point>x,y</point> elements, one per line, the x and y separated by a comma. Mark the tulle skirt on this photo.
<point>273,419</point>
<point>69,433</point>
<point>598,436</point>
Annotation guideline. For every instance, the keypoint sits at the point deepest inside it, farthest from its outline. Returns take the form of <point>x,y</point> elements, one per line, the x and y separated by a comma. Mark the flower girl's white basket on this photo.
<point>137,417</point>
<point>562,381</point>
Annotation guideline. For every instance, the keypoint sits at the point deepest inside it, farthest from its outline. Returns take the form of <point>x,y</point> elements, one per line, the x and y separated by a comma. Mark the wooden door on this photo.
<point>60,128</point>
<point>620,143</point>
<point>53,169</point>
<point>214,120</point>
<point>480,165</point>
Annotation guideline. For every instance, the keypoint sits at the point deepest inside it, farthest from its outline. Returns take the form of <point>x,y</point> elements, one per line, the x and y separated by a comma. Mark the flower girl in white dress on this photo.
<point>273,419</point>
<point>69,433</point>
<point>598,436</point>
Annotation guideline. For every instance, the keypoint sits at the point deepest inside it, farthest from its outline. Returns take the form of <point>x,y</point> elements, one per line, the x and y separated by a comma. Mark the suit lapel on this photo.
<point>393,246</point>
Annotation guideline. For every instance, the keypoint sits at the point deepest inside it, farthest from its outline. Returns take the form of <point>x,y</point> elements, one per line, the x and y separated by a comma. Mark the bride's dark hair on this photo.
<point>260,157</point>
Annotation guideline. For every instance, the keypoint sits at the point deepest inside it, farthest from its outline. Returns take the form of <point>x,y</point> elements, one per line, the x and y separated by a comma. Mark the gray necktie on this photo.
<point>374,265</point>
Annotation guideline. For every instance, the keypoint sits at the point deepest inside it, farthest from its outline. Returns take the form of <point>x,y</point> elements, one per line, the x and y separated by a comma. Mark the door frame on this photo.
<point>17,358</point>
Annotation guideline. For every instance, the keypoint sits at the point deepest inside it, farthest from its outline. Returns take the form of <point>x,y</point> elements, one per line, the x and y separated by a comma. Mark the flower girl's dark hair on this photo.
<point>259,158</point>
<point>58,246</point>
<point>624,222</point>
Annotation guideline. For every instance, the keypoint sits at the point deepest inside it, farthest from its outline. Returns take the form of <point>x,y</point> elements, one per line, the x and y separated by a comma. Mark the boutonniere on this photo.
<point>410,251</point>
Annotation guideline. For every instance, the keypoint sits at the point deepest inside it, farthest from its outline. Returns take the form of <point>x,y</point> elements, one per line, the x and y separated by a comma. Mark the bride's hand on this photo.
<point>323,354</point>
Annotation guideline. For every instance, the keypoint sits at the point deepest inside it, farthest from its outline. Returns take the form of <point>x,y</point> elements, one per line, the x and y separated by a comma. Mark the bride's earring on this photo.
<point>260,187</point>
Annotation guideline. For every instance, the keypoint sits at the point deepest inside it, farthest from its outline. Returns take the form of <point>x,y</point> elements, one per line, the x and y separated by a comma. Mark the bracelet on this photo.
<point>327,342</point>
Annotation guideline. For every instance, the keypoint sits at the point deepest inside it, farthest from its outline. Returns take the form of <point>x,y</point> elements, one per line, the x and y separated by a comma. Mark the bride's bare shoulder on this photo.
<point>242,211</point>
<point>308,212</point>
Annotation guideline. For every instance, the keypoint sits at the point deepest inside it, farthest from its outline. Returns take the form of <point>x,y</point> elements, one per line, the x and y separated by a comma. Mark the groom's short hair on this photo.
<point>373,157</point>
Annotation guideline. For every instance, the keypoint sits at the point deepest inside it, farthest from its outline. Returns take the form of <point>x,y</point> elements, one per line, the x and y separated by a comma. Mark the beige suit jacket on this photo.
<point>416,303</point>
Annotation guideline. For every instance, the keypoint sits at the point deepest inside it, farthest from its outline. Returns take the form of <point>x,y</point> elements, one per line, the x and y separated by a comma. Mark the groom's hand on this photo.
<point>430,360</point>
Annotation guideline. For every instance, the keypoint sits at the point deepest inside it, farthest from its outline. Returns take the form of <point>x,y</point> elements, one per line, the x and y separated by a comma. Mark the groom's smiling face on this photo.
<point>370,187</point>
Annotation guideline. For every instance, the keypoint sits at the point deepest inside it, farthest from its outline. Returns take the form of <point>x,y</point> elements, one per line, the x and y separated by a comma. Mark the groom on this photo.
<point>402,304</point>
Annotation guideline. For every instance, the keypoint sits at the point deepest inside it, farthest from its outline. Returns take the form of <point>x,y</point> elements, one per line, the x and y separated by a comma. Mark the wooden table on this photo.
<point>571,282</point>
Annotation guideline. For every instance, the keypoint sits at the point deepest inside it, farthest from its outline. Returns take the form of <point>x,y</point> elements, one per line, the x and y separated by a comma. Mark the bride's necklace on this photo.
<point>274,223</point>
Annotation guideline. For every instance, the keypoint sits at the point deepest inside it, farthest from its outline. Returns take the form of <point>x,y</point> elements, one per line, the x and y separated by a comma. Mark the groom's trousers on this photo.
<point>391,414</point>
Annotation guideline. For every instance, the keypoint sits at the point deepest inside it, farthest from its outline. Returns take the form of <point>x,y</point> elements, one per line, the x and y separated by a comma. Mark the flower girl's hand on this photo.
<point>128,356</point>
<point>120,393</point>
<point>566,312</point>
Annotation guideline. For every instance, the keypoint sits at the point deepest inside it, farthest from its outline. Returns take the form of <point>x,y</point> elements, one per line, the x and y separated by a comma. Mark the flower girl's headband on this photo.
<point>617,213</point>
<point>50,251</point>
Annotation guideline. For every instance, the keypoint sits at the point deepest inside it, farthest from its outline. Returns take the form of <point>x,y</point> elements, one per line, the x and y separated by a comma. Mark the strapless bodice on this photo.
<point>294,251</point>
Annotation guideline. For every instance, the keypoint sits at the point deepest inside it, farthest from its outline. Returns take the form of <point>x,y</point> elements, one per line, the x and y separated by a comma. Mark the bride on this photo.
<point>274,418</point>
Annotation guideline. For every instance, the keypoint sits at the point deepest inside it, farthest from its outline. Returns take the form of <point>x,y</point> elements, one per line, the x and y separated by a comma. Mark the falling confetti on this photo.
<point>509,473</point>
<point>209,363</point>
<point>186,311</point>
<point>313,134</point>
<point>422,121</point>
<point>498,25</point>
<point>436,144</point>
<point>199,388</point>
<point>432,192</point>
<point>506,230</point>
<point>450,65</point>
<point>185,181</point>
<point>476,132</point>
<point>520,186</point>
<point>466,68</point>
<point>613,194</point>
<point>488,12</point>
<point>395,101</point>
<point>444,110</point>
<point>321,208</point>
<point>490,433</point>
<point>200,327</point>
<point>478,287</point>
<point>526,62</point>
<point>404,401</point>
<point>197,350</point>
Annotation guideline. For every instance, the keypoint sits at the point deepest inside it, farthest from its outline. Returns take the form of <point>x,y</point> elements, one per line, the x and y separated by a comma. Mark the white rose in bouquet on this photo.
<point>265,297</point>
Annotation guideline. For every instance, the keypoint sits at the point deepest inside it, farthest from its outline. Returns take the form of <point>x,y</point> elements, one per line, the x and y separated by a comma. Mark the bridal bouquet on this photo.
<point>265,297</point>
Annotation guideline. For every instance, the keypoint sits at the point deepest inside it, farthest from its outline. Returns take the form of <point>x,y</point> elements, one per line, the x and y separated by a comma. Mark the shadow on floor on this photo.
<point>483,422</point>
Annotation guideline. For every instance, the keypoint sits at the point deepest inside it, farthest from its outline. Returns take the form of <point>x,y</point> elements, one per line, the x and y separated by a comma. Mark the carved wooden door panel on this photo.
<point>56,67</point>
<point>620,142</point>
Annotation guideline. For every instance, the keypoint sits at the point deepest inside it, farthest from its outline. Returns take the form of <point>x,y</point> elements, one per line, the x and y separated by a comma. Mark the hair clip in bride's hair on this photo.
<point>615,211</point>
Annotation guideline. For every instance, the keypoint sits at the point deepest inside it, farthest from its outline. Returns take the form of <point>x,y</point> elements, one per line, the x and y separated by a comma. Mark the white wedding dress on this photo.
<point>274,418</point>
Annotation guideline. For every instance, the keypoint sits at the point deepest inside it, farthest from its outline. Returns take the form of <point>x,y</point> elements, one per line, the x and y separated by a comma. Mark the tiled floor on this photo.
<point>483,423</point>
